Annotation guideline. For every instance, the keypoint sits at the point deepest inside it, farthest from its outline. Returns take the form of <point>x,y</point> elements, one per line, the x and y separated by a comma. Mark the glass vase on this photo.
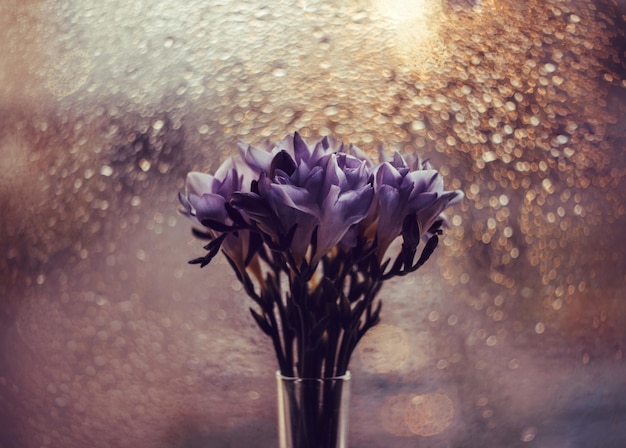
<point>313,412</point>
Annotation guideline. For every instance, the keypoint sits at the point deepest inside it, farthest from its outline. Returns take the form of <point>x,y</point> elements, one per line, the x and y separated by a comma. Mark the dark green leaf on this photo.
<point>255,243</point>
<point>408,254</point>
<point>234,267</point>
<point>317,333</point>
<point>314,241</point>
<point>374,267</point>
<point>200,234</point>
<point>215,225</point>
<point>217,242</point>
<point>234,214</point>
<point>411,231</point>
<point>435,229</point>
<point>328,289</point>
<point>213,247</point>
<point>209,257</point>
<point>345,311</point>
<point>261,322</point>
<point>396,269</point>
<point>288,238</point>
<point>357,312</point>
<point>375,318</point>
<point>431,244</point>
<point>356,289</point>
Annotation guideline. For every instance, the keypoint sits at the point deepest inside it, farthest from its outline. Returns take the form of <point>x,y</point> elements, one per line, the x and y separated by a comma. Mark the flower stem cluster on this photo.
<point>307,231</point>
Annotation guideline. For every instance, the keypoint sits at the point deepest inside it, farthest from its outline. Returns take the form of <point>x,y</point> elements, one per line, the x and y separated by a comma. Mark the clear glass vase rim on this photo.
<point>345,377</point>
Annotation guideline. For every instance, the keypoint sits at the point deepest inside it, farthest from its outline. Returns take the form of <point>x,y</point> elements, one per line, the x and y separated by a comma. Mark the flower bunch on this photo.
<point>307,230</point>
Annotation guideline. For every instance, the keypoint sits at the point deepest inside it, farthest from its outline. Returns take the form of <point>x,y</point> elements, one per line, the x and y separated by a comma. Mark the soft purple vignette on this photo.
<point>334,191</point>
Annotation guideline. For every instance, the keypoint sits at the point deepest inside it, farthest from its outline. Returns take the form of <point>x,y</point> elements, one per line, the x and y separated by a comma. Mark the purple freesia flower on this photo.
<point>293,210</point>
<point>402,192</point>
<point>315,191</point>
<point>206,195</point>
<point>345,198</point>
<point>204,201</point>
<point>259,159</point>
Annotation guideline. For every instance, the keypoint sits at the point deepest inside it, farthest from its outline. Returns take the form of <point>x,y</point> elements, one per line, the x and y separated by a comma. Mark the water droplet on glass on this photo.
<point>279,72</point>
<point>528,434</point>
<point>106,170</point>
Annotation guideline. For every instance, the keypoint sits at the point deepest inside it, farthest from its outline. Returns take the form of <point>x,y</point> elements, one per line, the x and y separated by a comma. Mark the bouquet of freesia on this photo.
<point>307,229</point>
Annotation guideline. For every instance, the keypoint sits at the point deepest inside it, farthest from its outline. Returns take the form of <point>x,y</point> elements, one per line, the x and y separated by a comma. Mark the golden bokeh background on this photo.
<point>513,334</point>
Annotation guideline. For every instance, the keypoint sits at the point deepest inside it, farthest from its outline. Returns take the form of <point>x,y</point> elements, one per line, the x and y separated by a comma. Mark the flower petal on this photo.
<point>387,174</point>
<point>291,196</point>
<point>199,183</point>
<point>340,211</point>
<point>301,151</point>
<point>428,215</point>
<point>257,159</point>
<point>211,206</point>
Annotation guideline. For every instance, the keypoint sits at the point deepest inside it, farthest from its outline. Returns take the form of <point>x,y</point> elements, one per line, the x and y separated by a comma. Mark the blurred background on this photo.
<point>512,335</point>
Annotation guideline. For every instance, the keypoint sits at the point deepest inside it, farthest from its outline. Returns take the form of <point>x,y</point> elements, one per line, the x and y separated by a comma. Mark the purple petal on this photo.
<point>301,151</point>
<point>387,174</point>
<point>199,183</point>
<point>334,175</point>
<point>320,150</point>
<point>211,206</point>
<point>339,213</point>
<point>428,215</point>
<point>422,201</point>
<point>422,181</point>
<point>185,203</point>
<point>356,172</point>
<point>257,159</point>
<point>313,183</point>
<point>292,196</point>
<point>391,213</point>
<point>225,169</point>
<point>361,155</point>
<point>354,205</point>
<point>398,161</point>
<point>302,237</point>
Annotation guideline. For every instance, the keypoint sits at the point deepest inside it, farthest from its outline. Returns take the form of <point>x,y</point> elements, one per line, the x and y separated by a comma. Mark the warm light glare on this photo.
<point>403,10</point>
<point>416,26</point>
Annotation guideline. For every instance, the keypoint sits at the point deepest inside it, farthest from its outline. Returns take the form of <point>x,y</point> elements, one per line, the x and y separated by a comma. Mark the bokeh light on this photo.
<point>384,349</point>
<point>429,414</point>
